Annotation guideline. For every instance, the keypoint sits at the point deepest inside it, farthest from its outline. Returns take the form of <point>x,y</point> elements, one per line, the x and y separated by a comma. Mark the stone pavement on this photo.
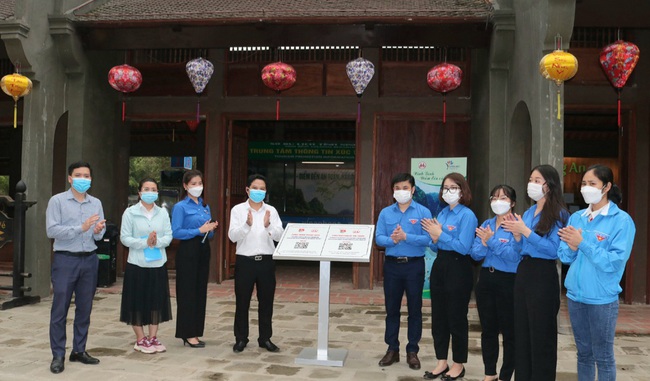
<point>355,326</point>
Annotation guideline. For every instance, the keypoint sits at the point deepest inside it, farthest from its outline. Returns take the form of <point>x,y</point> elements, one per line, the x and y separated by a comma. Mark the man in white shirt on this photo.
<point>254,226</point>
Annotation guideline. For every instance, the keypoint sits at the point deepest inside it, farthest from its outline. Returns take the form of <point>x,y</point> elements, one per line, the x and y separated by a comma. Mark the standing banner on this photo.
<point>428,173</point>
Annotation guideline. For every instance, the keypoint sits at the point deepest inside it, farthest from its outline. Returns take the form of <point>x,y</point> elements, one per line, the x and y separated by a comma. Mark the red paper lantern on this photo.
<point>278,76</point>
<point>618,60</point>
<point>444,78</point>
<point>126,79</point>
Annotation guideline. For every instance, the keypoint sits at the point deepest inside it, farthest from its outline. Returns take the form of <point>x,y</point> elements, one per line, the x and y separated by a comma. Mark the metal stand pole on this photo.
<point>322,355</point>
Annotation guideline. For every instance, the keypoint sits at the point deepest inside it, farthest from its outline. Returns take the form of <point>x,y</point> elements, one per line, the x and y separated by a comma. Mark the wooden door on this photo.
<point>236,186</point>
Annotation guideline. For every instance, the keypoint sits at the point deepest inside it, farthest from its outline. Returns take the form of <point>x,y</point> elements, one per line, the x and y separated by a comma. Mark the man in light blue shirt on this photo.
<point>74,219</point>
<point>400,231</point>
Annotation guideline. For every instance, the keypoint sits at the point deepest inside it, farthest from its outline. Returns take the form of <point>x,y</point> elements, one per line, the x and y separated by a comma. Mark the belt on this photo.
<point>402,259</point>
<point>75,253</point>
<point>258,258</point>
<point>497,271</point>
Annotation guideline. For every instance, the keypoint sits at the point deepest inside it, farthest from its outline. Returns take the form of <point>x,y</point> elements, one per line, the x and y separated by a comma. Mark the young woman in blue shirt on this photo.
<point>146,231</point>
<point>537,285</point>
<point>494,290</point>
<point>191,222</point>
<point>452,234</point>
<point>597,243</point>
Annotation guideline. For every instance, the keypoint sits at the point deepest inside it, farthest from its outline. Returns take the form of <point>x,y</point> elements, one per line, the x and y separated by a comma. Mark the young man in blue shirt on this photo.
<point>75,220</point>
<point>400,231</point>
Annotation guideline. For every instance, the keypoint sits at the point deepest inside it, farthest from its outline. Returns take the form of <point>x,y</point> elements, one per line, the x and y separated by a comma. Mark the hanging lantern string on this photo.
<point>618,101</point>
<point>444,108</point>
<point>277,106</point>
<point>198,107</point>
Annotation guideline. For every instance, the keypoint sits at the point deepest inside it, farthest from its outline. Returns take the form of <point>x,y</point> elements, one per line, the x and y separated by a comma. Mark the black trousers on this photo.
<point>537,302</point>
<point>192,266</point>
<point>451,287</point>
<point>495,302</point>
<point>260,274</point>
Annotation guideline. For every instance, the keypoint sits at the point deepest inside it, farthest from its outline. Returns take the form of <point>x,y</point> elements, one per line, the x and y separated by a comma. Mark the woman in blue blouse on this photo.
<point>146,231</point>
<point>496,284</point>
<point>537,286</point>
<point>452,233</point>
<point>597,243</point>
<point>191,221</point>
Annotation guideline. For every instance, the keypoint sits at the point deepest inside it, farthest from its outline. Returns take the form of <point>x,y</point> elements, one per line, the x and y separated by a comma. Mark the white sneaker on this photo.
<point>157,345</point>
<point>143,345</point>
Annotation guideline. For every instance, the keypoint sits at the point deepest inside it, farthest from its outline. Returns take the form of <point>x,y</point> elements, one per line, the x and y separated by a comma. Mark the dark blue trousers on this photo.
<point>72,274</point>
<point>400,278</point>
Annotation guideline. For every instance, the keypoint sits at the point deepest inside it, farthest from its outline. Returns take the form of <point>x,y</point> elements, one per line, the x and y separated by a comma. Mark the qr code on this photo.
<point>301,245</point>
<point>345,246</point>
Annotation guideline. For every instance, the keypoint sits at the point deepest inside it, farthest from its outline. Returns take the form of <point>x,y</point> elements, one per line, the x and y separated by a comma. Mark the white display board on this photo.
<point>326,242</point>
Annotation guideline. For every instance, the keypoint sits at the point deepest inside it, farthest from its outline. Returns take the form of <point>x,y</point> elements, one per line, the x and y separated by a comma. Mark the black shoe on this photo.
<point>269,346</point>
<point>239,346</point>
<point>413,360</point>
<point>84,358</point>
<point>389,358</point>
<point>57,365</point>
<point>432,376</point>
<point>460,375</point>
<point>200,344</point>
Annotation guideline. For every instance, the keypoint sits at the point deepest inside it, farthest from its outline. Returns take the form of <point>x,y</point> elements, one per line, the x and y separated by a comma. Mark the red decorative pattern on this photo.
<point>125,78</point>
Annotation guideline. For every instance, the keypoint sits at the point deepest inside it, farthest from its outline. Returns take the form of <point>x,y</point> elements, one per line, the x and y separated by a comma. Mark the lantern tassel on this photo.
<point>444,108</point>
<point>359,112</point>
<point>559,115</point>
<point>123,109</point>
<point>198,108</point>
<point>277,108</point>
<point>15,114</point>
<point>618,101</point>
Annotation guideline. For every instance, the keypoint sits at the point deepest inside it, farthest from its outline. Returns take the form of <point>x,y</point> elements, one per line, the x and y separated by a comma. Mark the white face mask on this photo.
<point>402,196</point>
<point>451,198</point>
<point>535,191</point>
<point>500,207</point>
<point>592,195</point>
<point>196,191</point>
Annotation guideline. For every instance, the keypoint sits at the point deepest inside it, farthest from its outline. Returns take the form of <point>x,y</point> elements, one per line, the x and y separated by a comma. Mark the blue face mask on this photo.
<point>149,197</point>
<point>257,195</point>
<point>81,184</point>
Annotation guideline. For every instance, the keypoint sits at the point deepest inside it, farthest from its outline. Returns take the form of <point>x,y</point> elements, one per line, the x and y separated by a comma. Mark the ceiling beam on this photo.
<point>223,36</point>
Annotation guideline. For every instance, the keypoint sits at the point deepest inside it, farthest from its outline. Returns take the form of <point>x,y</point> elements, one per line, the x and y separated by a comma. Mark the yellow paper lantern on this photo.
<point>558,66</point>
<point>16,86</point>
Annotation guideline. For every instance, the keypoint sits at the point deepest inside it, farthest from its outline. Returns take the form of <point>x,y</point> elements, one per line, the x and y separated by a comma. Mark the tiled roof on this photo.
<point>7,9</point>
<point>233,11</point>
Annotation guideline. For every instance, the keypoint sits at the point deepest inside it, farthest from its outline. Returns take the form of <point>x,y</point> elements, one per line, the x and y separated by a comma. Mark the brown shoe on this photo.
<point>413,360</point>
<point>389,358</point>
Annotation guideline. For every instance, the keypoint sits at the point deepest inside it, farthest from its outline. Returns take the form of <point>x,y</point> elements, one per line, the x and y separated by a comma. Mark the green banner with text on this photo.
<point>304,151</point>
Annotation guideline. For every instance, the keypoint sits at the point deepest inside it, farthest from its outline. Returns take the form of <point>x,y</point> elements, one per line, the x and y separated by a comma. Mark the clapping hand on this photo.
<point>484,234</point>
<point>571,236</point>
<point>515,225</point>
<point>398,235</point>
<point>249,218</point>
<point>433,227</point>
<point>267,219</point>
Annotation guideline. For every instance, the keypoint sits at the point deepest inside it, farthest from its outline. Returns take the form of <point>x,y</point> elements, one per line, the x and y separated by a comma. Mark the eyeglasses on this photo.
<point>502,198</point>
<point>450,189</point>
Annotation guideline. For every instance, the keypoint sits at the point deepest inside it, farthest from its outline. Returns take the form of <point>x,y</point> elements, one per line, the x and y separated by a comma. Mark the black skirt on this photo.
<point>145,296</point>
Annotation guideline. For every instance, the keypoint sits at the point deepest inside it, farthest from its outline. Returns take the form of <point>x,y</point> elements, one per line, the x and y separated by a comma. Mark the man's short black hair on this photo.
<point>398,178</point>
<point>255,176</point>
<point>79,164</point>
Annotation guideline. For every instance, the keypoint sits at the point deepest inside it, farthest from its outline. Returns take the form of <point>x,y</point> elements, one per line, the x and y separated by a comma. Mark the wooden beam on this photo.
<point>166,36</point>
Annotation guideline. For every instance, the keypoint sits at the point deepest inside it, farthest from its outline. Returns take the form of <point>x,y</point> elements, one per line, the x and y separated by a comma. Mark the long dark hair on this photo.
<point>555,211</point>
<point>606,175</point>
<point>187,177</point>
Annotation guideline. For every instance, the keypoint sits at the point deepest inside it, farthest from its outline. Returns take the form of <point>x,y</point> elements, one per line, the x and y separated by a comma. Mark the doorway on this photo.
<point>309,166</point>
